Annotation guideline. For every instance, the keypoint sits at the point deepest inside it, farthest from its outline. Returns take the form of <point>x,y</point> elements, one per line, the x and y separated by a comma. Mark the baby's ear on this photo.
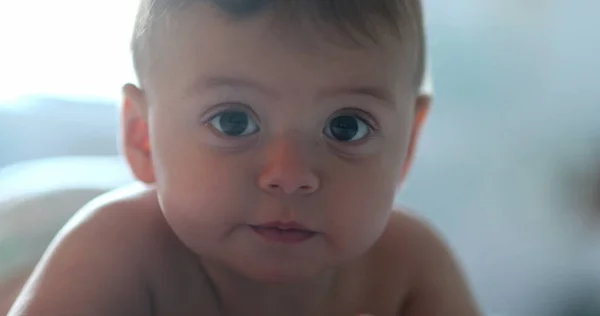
<point>422,105</point>
<point>135,140</point>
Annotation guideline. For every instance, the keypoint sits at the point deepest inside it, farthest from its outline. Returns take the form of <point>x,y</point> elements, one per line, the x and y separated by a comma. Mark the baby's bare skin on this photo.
<point>119,257</point>
<point>271,155</point>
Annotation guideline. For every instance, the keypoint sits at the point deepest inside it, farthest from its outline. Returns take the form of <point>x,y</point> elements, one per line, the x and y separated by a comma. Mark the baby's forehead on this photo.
<point>374,25</point>
<point>199,49</point>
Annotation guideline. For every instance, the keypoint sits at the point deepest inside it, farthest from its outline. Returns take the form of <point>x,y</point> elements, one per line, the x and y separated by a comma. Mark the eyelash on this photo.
<point>361,115</point>
<point>229,106</point>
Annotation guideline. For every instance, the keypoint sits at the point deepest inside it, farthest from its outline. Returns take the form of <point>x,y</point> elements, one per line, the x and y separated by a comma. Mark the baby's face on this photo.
<point>252,132</point>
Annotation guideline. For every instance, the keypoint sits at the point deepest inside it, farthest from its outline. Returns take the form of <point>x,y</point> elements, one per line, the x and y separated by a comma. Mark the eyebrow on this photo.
<point>228,82</point>
<point>377,92</point>
<point>372,91</point>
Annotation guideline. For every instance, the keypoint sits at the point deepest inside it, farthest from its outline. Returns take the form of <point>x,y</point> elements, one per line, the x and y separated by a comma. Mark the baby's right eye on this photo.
<point>234,123</point>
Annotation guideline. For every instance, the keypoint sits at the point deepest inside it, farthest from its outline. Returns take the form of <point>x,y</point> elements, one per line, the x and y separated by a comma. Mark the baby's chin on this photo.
<point>281,271</point>
<point>280,275</point>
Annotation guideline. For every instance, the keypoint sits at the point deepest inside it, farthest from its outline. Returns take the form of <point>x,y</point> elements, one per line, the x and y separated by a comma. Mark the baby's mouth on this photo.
<point>285,233</point>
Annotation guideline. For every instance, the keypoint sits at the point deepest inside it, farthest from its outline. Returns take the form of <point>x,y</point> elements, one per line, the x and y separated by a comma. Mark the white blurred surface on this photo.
<point>64,173</point>
<point>38,197</point>
<point>70,47</point>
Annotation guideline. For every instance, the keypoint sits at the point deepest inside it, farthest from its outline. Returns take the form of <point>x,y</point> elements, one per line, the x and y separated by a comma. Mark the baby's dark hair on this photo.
<point>350,17</point>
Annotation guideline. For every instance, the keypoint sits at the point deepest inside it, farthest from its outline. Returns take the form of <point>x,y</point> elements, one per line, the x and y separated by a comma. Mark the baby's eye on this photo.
<point>347,128</point>
<point>234,123</point>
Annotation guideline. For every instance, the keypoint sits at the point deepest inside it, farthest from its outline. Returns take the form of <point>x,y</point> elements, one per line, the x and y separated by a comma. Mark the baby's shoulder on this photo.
<point>407,242</point>
<point>126,219</point>
<point>102,260</point>
<point>412,260</point>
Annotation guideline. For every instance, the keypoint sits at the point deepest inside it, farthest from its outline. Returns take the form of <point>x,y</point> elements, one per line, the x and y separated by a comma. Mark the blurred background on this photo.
<point>508,170</point>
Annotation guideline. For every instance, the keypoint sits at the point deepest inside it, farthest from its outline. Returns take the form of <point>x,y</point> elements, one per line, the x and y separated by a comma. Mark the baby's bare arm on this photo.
<point>89,269</point>
<point>438,287</point>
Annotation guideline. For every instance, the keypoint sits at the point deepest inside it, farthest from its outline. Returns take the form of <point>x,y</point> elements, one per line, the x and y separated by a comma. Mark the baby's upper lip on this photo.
<point>283,225</point>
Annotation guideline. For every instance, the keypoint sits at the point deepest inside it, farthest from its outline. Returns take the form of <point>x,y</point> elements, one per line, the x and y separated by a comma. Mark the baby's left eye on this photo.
<point>346,128</point>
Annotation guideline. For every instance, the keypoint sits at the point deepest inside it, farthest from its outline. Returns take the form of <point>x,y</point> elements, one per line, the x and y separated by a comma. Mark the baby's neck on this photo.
<point>240,296</point>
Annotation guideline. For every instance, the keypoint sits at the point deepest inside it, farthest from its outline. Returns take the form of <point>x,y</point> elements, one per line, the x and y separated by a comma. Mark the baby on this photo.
<point>270,137</point>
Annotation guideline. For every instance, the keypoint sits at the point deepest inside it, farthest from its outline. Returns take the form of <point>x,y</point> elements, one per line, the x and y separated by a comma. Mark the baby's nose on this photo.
<point>289,172</point>
<point>289,183</point>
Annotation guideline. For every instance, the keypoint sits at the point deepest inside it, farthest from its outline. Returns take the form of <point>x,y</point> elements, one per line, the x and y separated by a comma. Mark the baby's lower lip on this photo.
<point>283,236</point>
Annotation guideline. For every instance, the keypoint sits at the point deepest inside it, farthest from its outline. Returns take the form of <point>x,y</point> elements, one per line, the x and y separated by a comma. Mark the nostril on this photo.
<point>289,185</point>
<point>305,188</point>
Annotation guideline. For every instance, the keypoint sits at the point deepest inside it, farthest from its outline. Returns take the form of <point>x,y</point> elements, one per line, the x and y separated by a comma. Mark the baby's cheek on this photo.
<point>202,201</point>
<point>193,216</point>
<point>358,215</point>
<point>366,190</point>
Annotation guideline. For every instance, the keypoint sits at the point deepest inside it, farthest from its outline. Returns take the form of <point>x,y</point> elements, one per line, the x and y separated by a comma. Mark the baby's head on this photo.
<point>254,114</point>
